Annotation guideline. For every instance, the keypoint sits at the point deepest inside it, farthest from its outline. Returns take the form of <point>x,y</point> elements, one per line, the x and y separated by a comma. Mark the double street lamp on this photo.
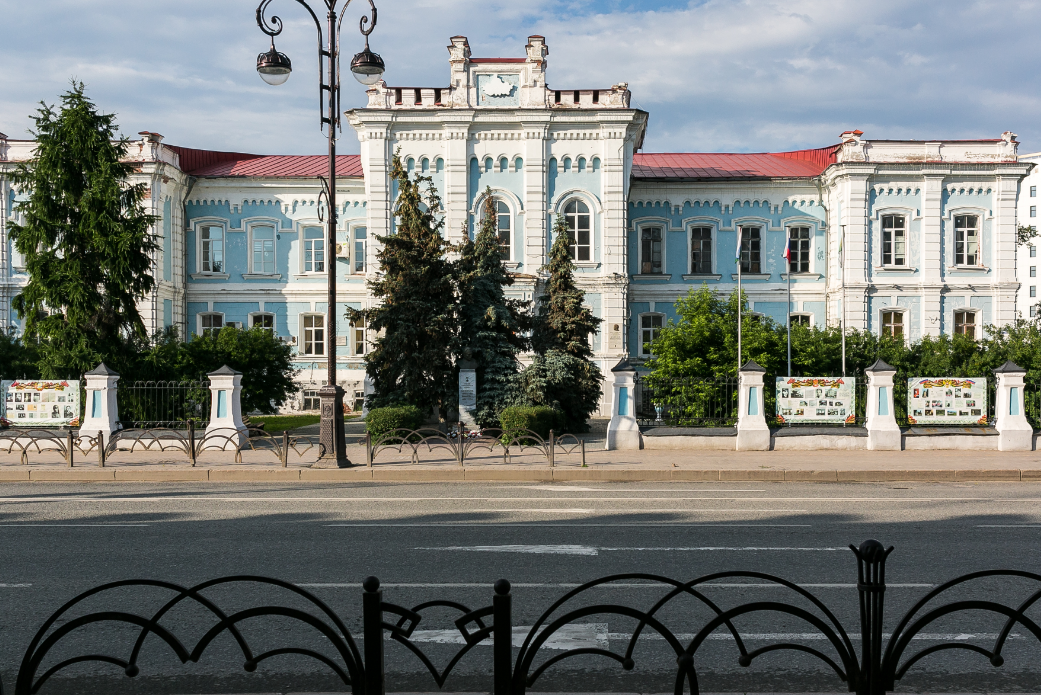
<point>275,67</point>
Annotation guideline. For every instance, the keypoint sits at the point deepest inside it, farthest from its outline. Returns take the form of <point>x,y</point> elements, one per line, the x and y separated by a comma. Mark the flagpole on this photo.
<point>842,274</point>
<point>788,255</point>
<point>739,300</point>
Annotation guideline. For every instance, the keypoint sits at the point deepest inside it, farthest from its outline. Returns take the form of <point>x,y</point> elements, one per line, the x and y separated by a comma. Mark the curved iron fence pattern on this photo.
<point>881,662</point>
<point>163,404</point>
<point>462,444</point>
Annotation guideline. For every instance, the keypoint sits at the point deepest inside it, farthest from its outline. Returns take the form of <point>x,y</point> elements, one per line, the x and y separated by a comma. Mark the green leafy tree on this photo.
<point>17,358</point>
<point>86,240</point>
<point>1025,233</point>
<point>491,326</point>
<point>563,322</point>
<point>410,362</point>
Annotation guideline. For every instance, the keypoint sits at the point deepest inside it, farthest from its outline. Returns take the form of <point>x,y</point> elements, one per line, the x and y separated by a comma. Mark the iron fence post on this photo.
<point>552,446</point>
<point>68,448</point>
<point>101,449</point>
<point>191,442</point>
<point>871,586</point>
<point>502,638</point>
<point>368,449</point>
<point>459,455</point>
<point>372,629</point>
<point>583,453</point>
<point>285,448</point>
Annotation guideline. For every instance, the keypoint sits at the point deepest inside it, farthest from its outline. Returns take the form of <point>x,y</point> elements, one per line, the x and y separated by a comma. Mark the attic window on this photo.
<point>577,97</point>
<point>419,97</point>
<point>556,97</point>
<point>397,96</point>
<point>437,96</point>
<point>596,96</point>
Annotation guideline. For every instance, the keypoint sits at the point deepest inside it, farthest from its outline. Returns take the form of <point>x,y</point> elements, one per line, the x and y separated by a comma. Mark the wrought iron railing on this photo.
<point>163,404</point>
<point>661,625</point>
<point>690,402</point>
<point>462,444</point>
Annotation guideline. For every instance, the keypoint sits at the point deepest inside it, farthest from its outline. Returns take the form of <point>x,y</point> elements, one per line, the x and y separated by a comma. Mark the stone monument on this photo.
<point>467,388</point>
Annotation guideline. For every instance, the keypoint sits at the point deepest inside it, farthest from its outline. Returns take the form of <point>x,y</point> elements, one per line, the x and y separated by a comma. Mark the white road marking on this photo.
<point>614,585</point>
<point>549,524</point>
<point>574,636</point>
<point>595,550</point>
<point>15,586</point>
<point>642,510</point>
<point>73,525</point>
<point>558,488</point>
<point>808,636</point>
<point>1009,526</point>
<point>207,498</point>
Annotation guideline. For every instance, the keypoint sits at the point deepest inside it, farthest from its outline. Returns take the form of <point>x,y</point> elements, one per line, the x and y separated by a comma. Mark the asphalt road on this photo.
<point>452,541</point>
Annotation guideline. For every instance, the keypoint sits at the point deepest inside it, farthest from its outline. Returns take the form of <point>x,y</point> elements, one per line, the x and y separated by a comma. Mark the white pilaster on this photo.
<point>1014,431</point>
<point>225,426</point>
<point>753,434</point>
<point>623,432</point>
<point>102,407</point>
<point>883,432</point>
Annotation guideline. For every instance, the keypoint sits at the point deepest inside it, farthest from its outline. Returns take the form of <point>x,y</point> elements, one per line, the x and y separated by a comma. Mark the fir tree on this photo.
<point>562,375</point>
<point>491,326</point>
<point>563,323</point>
<point>411,359</point>
<point>86,240</point>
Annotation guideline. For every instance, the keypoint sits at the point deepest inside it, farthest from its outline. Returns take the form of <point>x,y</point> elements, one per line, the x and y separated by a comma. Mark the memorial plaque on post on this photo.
<point>43,403</point>
<point>467,388</point>
<point>815,399</point>
<point>954,401</point>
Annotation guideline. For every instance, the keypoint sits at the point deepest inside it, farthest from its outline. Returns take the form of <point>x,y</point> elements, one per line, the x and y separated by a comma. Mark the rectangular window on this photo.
<point>650,251</point>
<point>966,240</point>
<point>212,252</point>
<point>800,320</point>
<point>314,250</point>
<point>1033,271</point>
<point>211,323</point>
<point>750,250</point>
<point>264,250</point>
<point>358,331</point>
<point>1033,252</point>
<point>894,240</point>
<point>650,326</point>
<point>1033,211</point>
<point>265,321</point>
<point>965,323</point>
<point>311,400</point>
<point>314,334</point>
<point>799,248</point>
<point>701,250</point>
<point>893,323</point>
<point>1033,191</point>
<point>1033,311</point>
<point>358,261</point>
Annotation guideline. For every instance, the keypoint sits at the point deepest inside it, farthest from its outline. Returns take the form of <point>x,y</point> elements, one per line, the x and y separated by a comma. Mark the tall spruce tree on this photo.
<point>411,359</point>
<point>86,240</point>
<point>491,326</point>
<point>563,324</point>
<point>562,375</point>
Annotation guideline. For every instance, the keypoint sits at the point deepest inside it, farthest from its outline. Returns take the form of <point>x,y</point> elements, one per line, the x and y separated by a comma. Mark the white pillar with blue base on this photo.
<point>753,434</point>
<point>623,432</point>
<point>883,432</point>
<point>1015,432</point>
<point>225,430</point>
<point>101,410</point>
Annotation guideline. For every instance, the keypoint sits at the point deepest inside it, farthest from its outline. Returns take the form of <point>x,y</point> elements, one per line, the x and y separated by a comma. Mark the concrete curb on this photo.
<point>540,474</point>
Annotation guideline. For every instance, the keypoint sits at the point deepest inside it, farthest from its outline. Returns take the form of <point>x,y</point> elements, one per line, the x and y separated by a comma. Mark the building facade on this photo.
<point>913,238</point>
<point>1026,259</point>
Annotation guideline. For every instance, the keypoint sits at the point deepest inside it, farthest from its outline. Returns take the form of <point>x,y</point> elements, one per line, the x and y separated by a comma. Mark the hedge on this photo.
<point>379,421</point>
<point>539,419</point>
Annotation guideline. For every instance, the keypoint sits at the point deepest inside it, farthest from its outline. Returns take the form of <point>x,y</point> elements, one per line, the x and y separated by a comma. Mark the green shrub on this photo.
<point>539,419</point>
<point>379,421</point>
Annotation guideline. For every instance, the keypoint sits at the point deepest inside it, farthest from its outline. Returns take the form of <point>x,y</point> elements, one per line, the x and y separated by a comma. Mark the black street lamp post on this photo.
<point>274,68</point>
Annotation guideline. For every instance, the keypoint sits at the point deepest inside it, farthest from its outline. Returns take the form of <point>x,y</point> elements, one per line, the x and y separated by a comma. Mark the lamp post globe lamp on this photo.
<point>367,67</point>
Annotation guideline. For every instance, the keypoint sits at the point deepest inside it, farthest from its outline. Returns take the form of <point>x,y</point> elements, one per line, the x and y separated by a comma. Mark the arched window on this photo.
<point>503,224</point>
<point>579,225</point>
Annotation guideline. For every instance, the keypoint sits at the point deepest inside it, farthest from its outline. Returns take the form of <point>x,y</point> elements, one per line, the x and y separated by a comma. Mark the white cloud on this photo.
<point>716,75</point>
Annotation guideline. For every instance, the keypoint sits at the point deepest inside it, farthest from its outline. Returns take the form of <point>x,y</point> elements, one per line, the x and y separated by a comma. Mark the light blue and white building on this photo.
<point>914,238</point>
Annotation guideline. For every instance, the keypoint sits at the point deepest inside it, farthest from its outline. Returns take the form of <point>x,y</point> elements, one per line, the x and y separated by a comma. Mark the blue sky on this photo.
<point>715,75</point>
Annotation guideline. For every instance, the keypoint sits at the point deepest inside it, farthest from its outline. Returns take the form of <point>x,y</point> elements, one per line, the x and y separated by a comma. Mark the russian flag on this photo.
<point>787,251</point>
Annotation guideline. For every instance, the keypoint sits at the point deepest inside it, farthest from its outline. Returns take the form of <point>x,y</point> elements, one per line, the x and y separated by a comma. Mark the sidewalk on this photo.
<point>706,466</point>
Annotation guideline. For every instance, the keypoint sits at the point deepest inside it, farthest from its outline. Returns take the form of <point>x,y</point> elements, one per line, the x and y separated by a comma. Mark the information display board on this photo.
<point>956,401</point>
<point>815,399</point>
<point>41,403</point>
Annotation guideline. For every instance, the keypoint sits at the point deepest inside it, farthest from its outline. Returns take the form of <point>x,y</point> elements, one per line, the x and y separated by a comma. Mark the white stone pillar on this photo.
<point>883,432</point>
<point>753,434</point>
<point>225,426</point>
<point>101,411</point>
<point>368,388</point>
<point>623,432</point>
<point>1014,431</point>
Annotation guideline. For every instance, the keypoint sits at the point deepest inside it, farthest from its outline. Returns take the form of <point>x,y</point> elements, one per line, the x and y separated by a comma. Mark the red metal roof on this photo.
<point>708,166</point>
<point>281,166</point>
<point>498,60</point>
<point>192,159</point>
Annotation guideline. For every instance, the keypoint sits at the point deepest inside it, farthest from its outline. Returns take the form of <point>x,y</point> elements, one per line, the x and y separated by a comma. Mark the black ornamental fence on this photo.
<point>864,658</point>
<point>163,404</point>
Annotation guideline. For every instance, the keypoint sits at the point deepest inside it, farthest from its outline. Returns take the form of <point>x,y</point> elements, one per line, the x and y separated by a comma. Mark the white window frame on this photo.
<point>975,313</point>
<point>878,237</point>
<point>306,343</point>
<point>812,233</point>
<point>211,329</point>
<point>251,226</point>
<point>354,253</point>
<point>592,227</point>
<point>656,330</point>
<point>303,227</point>
<point>357,331</point>
<point>201,224</point>
<point>501,195</point>
<point>802,314</point>
<point>978,260</point>
<point>257,314</point>
<point>761,228</point>
<point>903,320</point>
<point>713,247</point>
<point>893,256</point>
<point>304,396</point>
<point>651,223</point>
